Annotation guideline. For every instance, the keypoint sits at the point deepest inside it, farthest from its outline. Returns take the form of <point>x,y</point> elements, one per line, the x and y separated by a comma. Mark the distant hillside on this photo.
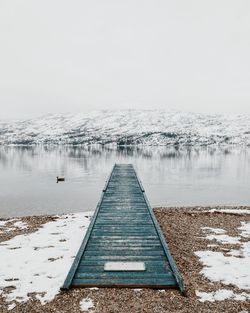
<point>129,128</point>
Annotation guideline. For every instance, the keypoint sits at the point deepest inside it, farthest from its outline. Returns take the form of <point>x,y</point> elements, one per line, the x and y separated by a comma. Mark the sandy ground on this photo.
<point>182,230</point>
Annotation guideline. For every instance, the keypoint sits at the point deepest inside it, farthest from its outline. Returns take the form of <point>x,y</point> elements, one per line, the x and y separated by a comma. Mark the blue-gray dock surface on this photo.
<point>123,229</point>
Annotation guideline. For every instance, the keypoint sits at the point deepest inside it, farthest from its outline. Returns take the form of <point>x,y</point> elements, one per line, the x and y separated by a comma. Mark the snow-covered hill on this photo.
<point>129,127</point>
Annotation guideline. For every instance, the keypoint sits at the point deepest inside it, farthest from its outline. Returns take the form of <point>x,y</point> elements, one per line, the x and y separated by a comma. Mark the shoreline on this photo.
<point>154,207</point>
<point>188,232</point>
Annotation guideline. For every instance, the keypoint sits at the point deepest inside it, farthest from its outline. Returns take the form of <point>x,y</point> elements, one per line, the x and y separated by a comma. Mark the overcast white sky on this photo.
<point>70,56</point>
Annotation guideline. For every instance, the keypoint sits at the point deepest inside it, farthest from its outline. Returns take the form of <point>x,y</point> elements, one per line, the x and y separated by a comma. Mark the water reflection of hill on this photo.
<point>25,156</point>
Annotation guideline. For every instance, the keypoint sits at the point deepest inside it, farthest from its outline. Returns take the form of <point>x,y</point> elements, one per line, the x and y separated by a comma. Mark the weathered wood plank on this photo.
<point>127,252</point>
<point>122,257</point>
<point>119,282</point>
<point>123,275</point>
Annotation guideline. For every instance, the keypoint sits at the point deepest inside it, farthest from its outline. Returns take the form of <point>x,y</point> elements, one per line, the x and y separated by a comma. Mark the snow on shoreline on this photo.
<point>226,210</point>
<point>17,225</point>
<point>221,295</point>
<point>86,304</point>
<point>129,127</point>
<point>39,262</point>
<point>230,211</point>
<point>230,269</point>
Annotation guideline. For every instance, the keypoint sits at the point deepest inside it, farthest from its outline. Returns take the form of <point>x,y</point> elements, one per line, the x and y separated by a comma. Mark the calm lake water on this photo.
<point>171,177</point>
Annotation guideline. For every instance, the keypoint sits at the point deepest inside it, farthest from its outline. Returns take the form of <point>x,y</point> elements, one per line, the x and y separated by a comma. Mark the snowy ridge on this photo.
<point>129,127</point>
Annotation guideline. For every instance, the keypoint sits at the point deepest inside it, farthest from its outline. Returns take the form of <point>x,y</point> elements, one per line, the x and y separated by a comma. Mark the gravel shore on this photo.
<point>182,228</point>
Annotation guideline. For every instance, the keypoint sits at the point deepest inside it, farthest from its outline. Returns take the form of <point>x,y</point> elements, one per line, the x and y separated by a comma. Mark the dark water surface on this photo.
<point>171,177</point>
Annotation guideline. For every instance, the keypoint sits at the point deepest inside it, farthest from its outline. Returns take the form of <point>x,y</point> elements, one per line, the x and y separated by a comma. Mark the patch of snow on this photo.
<point>86,304</point>
<point>229,269</point>
<point>93,288</point>
<point>221,295</point>
<point>224,238</point>
<point>39,262</point>
<point>219,235</point>
<point>214,230</point>
<point>229,211</point>
<point>20,225</point>
<point>245,229</point>
<point>234,252</point>
<point>11,306</point>
<point>12,220</point>
<point>137,289</point>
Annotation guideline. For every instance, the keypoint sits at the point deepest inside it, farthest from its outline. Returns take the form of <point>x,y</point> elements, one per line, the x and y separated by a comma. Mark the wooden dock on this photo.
<point>124,245</point>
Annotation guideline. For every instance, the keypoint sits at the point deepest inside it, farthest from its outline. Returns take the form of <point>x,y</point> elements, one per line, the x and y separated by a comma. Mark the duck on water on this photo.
<point>58,179</point>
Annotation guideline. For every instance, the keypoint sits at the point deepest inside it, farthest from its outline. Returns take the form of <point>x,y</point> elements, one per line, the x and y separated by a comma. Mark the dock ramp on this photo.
<point>124,245</point>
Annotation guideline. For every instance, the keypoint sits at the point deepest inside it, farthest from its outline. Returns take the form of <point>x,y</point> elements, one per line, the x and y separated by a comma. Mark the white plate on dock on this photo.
<point>124,266</point>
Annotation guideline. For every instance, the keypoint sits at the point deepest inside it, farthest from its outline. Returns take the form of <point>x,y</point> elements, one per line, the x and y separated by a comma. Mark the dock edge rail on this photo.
<point>77,259</point>
<point>163,242</point>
